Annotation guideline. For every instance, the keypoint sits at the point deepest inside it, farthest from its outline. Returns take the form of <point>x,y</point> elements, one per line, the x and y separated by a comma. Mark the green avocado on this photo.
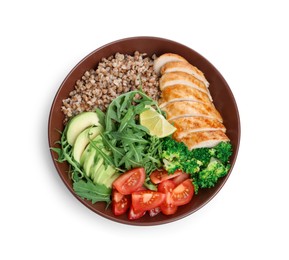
<point>104,174</point>
<point>88,163</point>
<point>82,141</point>
<point>108,182</point>
<point>97,141</point>
<point>78,123</point>
<point>98,162</point>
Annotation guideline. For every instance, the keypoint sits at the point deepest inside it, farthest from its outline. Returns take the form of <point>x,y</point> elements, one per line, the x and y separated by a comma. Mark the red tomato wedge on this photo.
<point>154,212</point>
<point>167,207</point>
<point>183,193</point>
<point>132,214</point>
<point>120,203</point>
<point>179,179</point>
<point>146,200</point>
<point>158,176</point>
<point>130,181</point>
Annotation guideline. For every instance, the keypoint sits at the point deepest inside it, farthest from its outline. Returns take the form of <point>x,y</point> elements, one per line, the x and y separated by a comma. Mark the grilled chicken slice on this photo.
<point>182,93</point>
<point>179,109</point>
<point>175,78</point>
<point>165,58</point>
<point>204,139</point>
<point>187,125</point>
<point>186,67</point>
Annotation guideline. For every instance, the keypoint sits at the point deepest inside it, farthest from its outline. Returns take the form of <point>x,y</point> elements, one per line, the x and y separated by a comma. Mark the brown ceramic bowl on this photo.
<point>221,93</point>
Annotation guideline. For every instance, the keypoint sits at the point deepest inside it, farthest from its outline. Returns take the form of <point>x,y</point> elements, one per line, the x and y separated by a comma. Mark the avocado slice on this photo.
<point>82,141</point>
<point>78,123</point>
<point>96,166</point>
<point>105,173</point>
<point>88,164</point>
<point>108,182</point>
<point>98,141</point>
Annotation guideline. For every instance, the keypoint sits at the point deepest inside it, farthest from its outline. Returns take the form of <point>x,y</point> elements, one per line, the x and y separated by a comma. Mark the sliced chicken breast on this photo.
<point>165,58</point>
<point>186,67</point>
<point>182,93</point>
<point>204,139</point>
<point>182,78</point>
<point>187,125</point>
<point>179,109</point>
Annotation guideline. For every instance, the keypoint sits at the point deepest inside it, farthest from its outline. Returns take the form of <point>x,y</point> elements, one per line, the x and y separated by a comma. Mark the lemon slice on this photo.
<point>156,123</point>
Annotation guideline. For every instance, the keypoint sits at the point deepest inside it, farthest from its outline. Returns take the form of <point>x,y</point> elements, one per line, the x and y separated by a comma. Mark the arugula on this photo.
<point>82,185</point>
<point>91,191</point>
<point>129,142</point>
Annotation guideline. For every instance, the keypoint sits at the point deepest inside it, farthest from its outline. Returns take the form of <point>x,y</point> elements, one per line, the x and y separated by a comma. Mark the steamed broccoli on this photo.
<point>205,165</point>
<point>209,176</point>
<point>222,151</point>
<point>173,150</point>
<point>171,166</point>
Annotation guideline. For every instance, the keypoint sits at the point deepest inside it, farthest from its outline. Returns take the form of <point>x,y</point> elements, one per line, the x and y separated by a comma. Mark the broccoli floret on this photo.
<point>176,156</point>
<point>209,176</point>
<point>171,166</point>
<point>222,152</point>
<point>173,150</point>
<point>202,154</point>
<point>205,165</point>
<point>191,166</point>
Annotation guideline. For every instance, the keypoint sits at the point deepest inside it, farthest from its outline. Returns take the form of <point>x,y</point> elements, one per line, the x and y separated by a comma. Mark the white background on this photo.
<point>41,41</point>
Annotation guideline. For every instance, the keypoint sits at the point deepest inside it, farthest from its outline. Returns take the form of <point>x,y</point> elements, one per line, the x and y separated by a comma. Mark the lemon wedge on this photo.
<point>156,123</point>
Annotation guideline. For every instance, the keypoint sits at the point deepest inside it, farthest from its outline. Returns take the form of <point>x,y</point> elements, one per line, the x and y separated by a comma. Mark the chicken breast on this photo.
<point>182,78</point>
<point>186,67</point>
<point>165,58</point>
<point>179,109</point>
<point>204,139</point>
<point>182,93</point>
<point>187,125</point>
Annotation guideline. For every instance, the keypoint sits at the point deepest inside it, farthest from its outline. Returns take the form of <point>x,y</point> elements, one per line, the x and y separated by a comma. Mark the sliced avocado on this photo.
<point>98,141</point>
<point>105,174</point>
<point>78,123</point>
<point>88,163</point>
<point>96,166</point>
<point>108,182</point>
<point>82,141</point>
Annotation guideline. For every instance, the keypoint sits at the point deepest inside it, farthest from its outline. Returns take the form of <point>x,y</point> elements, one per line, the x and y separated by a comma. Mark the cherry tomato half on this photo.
<point>132,214</point>
<point>158,176</point>
<point>130,181</point>
<point>183,193</point>
<point>120,203</point>
<point>147,200</point>
<point>167,207</point>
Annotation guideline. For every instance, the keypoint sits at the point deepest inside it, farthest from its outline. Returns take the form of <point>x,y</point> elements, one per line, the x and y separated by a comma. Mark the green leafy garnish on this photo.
<point>91,191</point>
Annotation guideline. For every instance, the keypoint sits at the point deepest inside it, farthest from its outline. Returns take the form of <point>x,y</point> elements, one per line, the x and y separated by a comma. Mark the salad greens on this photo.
<point>82,185</point>
<point>129,145</point>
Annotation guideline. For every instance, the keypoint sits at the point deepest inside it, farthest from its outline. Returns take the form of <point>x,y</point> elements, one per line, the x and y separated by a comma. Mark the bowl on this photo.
<point>220,91</point>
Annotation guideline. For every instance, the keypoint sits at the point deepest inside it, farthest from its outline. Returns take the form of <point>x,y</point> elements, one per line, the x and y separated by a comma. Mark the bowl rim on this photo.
<point>153,222</point>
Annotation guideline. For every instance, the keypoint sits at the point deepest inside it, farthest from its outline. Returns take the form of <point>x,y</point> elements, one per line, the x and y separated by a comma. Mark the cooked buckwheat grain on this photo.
<point>113,76</point>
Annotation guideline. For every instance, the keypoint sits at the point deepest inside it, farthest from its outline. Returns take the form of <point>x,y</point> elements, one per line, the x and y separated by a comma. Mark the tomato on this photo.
<point>158,176</point>
<point>183,193</point>
<point>147,200</point>
<point>132,214</point>
<point>130,181</point>
<point>154,212</point>
<point>179,179</point>
<point>167,207</point>
<point>120,203</point>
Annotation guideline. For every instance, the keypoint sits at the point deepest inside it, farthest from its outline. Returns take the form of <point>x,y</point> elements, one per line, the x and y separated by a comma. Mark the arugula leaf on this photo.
<point>91,191</point>
<point>127,140</point>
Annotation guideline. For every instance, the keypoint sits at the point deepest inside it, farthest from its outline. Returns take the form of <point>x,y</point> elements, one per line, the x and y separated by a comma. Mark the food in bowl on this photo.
<point>152,143</point>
